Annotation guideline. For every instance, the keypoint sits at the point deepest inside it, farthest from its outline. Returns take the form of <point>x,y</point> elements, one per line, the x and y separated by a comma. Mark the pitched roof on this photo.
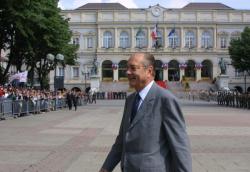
<point>206,6</point>
<point>102,6</point>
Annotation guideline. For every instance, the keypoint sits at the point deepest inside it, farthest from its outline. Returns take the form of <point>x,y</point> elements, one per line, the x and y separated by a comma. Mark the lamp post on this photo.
<point>245,81</point>
<point>58,80</point>
<point>86,74</point>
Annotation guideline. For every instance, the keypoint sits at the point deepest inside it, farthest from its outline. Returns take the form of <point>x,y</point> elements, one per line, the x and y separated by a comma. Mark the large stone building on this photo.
<point>190,41</point>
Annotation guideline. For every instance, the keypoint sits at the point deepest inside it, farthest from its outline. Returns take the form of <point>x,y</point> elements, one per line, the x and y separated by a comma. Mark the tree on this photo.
<point>239,51</point>
<point>14,33</point>
<point>53,36</point>
<point>30,29</point>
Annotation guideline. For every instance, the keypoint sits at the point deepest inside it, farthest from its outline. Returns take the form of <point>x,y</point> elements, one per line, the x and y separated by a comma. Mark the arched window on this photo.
<point>206,40</point>
<point>124,40</point>
<point>141,41</point>
<point>107,39</point>
<point>107,71</point>
<point>239,89</point>
<point>122,70</point>
<point>190,39</point>
<point>190,69</point>
<point>223,41</point>
<point>173,71</point>
<point>174,40</point>
<point>235,35</point>
<point>158,70</point>
<point>206,70</point>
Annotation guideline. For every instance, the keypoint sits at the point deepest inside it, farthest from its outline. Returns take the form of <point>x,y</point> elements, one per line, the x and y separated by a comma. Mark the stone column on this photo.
<point>198,38</point>
<point>165,74</point>
<point>182,73</point>
<point>182,37</point>
<point>132,38</point>
<point>165,38</point>
<point>115,75</point>
<point>116,38</point>
<point>198,74</point>
<point>81,42</point>
<point>99,41</point>
<point>149,38</point>
<point>215,38</point>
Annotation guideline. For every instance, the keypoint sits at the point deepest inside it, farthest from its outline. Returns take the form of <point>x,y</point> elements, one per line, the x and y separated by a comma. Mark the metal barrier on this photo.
<point>16,108</point>
<point>7,107</point>
<point>1,110</point>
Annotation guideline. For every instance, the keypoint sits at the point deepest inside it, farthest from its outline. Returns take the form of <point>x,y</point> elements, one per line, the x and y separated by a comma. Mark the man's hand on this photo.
<point>103,170</point>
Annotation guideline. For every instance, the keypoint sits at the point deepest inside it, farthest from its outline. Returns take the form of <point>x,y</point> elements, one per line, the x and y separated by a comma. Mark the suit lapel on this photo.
<point>145,107</point>
<point>129,111</point>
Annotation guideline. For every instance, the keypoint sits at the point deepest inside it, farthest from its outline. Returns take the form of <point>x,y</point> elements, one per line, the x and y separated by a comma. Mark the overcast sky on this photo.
<point>72,4</point>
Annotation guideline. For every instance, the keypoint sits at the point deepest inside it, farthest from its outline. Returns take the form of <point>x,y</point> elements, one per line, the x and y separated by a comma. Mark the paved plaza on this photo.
<point>78,141</point>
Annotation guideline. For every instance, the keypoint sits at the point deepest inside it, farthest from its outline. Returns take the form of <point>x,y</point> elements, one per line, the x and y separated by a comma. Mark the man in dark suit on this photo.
<point>69,99</point>
<point>153,137</point>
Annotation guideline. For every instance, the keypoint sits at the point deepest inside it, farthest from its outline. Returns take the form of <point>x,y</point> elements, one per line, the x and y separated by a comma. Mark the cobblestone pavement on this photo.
<point>78,141</point>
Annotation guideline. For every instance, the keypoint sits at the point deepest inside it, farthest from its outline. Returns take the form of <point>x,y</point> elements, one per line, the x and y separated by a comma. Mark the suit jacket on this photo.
<point>156,140</point>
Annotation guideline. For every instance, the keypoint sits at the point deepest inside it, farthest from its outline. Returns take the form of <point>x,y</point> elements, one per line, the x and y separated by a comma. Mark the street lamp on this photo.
<point>58,80</point>
<point>86,75</point>
<point>245,80</point>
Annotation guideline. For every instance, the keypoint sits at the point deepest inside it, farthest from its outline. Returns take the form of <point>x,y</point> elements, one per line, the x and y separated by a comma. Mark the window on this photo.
<point>223,42</point>
<point>107,71</point>
<point>107,39</point>
<point>122,71</point>
<point>189,39</point>
<point>90,42</point>
<point>76,41</point>
<point>75,72</point>
<point>206,40</point>
<point>60,71</point>
<point>124,40</point>
<point>235,37</point>
<point>174,40</point>
<point>140,39</point>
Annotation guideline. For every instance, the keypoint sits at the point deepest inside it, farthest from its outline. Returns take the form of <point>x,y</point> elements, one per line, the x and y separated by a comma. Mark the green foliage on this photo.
<point>239,51</point>
<point>30,29</point>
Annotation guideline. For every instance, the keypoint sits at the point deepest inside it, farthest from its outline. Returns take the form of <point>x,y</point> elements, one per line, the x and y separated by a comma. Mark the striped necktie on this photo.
<point>135,106</point>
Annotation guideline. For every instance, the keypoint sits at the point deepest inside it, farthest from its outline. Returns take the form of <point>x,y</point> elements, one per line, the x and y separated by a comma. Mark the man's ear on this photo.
<point>151,70</point>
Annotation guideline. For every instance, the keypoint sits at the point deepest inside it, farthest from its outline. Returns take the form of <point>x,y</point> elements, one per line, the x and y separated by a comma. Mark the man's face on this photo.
<point>139,75</point>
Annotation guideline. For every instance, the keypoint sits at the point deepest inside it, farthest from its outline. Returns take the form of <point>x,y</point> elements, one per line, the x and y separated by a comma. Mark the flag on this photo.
<point>20,77</point>
<point>171,32</point>
<point>14,77</point>
<point>23,76</point>
<point>154,33</point>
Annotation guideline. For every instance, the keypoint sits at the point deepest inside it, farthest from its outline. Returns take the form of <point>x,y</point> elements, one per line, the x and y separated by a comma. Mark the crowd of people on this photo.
<point>223,98</point>
<point>15,93</point>
<point>21,100</point>
<point>234,99</point>
<point>17,101</point>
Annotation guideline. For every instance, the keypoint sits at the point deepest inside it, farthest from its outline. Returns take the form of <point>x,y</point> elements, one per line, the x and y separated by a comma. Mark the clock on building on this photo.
<point>156,11</point>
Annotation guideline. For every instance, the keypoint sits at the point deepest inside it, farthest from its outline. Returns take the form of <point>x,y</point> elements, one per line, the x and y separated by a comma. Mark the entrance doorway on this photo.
<point>158,71</point>
<point>173,71</point>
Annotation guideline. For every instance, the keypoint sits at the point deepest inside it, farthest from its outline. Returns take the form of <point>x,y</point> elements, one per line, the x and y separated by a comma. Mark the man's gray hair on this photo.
<point>149,60</point>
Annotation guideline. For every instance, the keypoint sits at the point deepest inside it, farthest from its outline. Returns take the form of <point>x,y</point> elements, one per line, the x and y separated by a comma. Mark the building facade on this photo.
<point>187,42</point>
